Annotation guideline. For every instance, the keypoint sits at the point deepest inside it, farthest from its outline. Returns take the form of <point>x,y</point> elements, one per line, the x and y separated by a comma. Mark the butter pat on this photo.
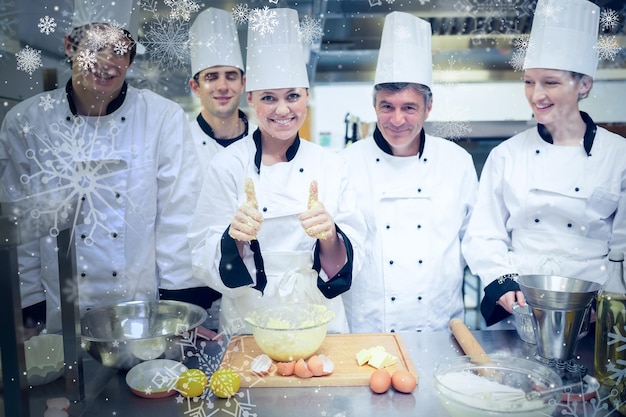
<point>376,357</point>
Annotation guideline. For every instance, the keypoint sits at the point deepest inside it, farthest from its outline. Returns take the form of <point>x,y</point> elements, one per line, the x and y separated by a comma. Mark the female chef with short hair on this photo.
<point>277,220</point>
<point>552,198</point>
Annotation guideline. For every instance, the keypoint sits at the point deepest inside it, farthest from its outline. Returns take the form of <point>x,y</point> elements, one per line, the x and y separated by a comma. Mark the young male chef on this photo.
<point>416,192</point>
<point>218,81</point>
<point>119,158</point>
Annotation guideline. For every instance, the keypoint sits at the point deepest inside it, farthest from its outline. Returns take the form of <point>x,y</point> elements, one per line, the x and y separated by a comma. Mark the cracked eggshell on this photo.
<point>302,370</point>
<point>329,365</point>
<point>285,368</point>
<point>261,365</point>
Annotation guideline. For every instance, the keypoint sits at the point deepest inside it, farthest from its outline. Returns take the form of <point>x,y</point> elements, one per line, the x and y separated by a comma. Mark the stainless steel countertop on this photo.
<point>108,395</point>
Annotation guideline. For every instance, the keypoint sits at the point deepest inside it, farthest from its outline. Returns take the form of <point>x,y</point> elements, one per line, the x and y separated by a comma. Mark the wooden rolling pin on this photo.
<point>470,345</point>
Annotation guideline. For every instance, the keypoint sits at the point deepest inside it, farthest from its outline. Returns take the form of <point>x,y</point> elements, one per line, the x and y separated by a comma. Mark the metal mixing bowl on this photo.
<point>497,388</point>
<point>125,334</point>
<point>289,332</point>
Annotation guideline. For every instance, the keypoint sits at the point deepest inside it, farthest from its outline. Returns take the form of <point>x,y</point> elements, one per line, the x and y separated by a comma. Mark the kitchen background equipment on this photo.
<point>340,348</point>
<point>125,334</point>
<point>559,306</point>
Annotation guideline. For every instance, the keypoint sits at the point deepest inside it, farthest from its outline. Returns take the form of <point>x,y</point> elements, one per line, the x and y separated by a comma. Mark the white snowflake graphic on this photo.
<point>457,124</point>
<point>46,102</point>
<point>263,20</point>
<point>241,13</point>
<point>28,60</point>
<point>102,36</point>
<point>167,41</point>
<point>310,30</point>
<point>182,9</point>
<point>609,19</point>
<point>120,48</point>
<point>47,25</point>
<point>375,3</point>
<point>75,175</point>
<point>86,59</point>
<point>503,9</point>
<point>7,20</point>
<point>402,33</point>
<point>608,47</point>
<point>517,59</point>
<point>549,11</point>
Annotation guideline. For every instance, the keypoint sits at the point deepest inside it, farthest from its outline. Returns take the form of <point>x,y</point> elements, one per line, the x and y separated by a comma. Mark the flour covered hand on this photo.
<point>246,223</point>
<point>316,221</point>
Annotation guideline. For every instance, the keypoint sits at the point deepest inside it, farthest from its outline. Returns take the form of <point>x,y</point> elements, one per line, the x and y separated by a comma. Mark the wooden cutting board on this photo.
<point>341,348</point>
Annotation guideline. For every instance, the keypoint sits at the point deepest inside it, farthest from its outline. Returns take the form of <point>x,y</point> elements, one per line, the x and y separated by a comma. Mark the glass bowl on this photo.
<point>289,332</point>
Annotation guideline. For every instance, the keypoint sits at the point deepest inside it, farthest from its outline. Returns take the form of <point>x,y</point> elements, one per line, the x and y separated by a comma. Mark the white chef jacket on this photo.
<point>137,195</point>
<point>416,209</point>
<point>282,192</point>
<point>546,209</point>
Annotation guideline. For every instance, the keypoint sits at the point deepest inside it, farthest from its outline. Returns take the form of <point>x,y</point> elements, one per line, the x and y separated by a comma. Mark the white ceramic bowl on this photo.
<point>467,389</point>
<point>289,332</point>
<point>44,359</point>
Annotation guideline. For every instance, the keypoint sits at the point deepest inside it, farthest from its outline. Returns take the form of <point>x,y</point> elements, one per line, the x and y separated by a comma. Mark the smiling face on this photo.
<point>219,89</point>
<point>553,95</point>
<point>100,60</point>
<point>280,112</point>
<point>400,118</point>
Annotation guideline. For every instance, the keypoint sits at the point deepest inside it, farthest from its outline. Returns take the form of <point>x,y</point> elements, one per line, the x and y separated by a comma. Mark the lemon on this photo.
<point>224,383</point>
<point>191,383</point>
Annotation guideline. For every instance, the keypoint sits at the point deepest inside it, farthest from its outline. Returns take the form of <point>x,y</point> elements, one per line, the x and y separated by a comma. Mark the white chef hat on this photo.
<point>122,13</point>
<point>564,36</point>
<point>275,56</point>
<point>405,51</point>
<point>214,41</point>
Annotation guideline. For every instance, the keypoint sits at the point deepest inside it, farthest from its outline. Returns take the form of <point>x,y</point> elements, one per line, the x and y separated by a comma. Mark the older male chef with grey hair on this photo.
<point>121,157</point>
<point>416,192</point>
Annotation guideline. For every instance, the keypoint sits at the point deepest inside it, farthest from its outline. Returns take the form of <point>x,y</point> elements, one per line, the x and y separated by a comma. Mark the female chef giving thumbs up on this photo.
<point>277,220</point>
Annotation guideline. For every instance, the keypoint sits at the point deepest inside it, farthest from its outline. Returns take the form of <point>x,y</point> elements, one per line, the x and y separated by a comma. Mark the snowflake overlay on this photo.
<point>7,20</point>
<point>452,129</point>
<point>182,9</point>
<point>607,47</point>
<point>310,30</point>
<point>263,20</point>
<point>609,19</point>
<point>241,13</point>
<point>166,40</point>
<point>46,102</point>
<point>28,60</point>
<point>47,25</point>
<point>75,175</point>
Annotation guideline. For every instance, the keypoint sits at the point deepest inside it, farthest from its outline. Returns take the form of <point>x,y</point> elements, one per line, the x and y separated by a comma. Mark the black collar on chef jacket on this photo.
<point>207,129</point>
<point>291,151</point>
<point>590,132</point>
<point>115,104</point>
<point>384,145</point>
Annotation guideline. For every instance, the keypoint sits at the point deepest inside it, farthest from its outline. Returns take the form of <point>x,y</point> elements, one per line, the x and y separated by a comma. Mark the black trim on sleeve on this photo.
<point>233,271</point>
<point>200,296</point>
<point>492,312</point>
<point>342,281</point>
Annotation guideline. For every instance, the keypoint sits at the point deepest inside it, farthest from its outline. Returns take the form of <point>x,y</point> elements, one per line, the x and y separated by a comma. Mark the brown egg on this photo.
<point>301,370</point>
<point>380,381</point>
<point>403,381</point>
<point>315,365</point>
<point>285,368</point>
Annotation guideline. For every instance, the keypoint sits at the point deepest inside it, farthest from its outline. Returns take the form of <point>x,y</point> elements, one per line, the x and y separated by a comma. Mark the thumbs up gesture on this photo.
<point>246,223</point>
<point>316,221</point>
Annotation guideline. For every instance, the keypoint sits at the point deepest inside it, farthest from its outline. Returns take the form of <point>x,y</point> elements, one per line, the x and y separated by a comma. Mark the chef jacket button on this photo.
<point>419,190</point>
<point>82,274</point>
<point>387,227</point>
<point>117,195</point>
<point>114,273</point>
<point>577,189</point>
<point>425,159</point>
<point>393,298</point>
<point>536,220</point>
<point>377,159</point>
<point>83,198</point>
<point>569,225</point>
<point>204,142</point>
<point>390,262</point>
<point>419,298</point>
<point>264,209</point>
<point>419,226</point>
<point>301,169</point>
<point>537,151</point>
<point>392,330</point>
<point>420,261</point>
<point>114,235</point>
<point>419,330</point>
<point>123,119</point>
<point>68,118</point>
<point>83,236</point>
